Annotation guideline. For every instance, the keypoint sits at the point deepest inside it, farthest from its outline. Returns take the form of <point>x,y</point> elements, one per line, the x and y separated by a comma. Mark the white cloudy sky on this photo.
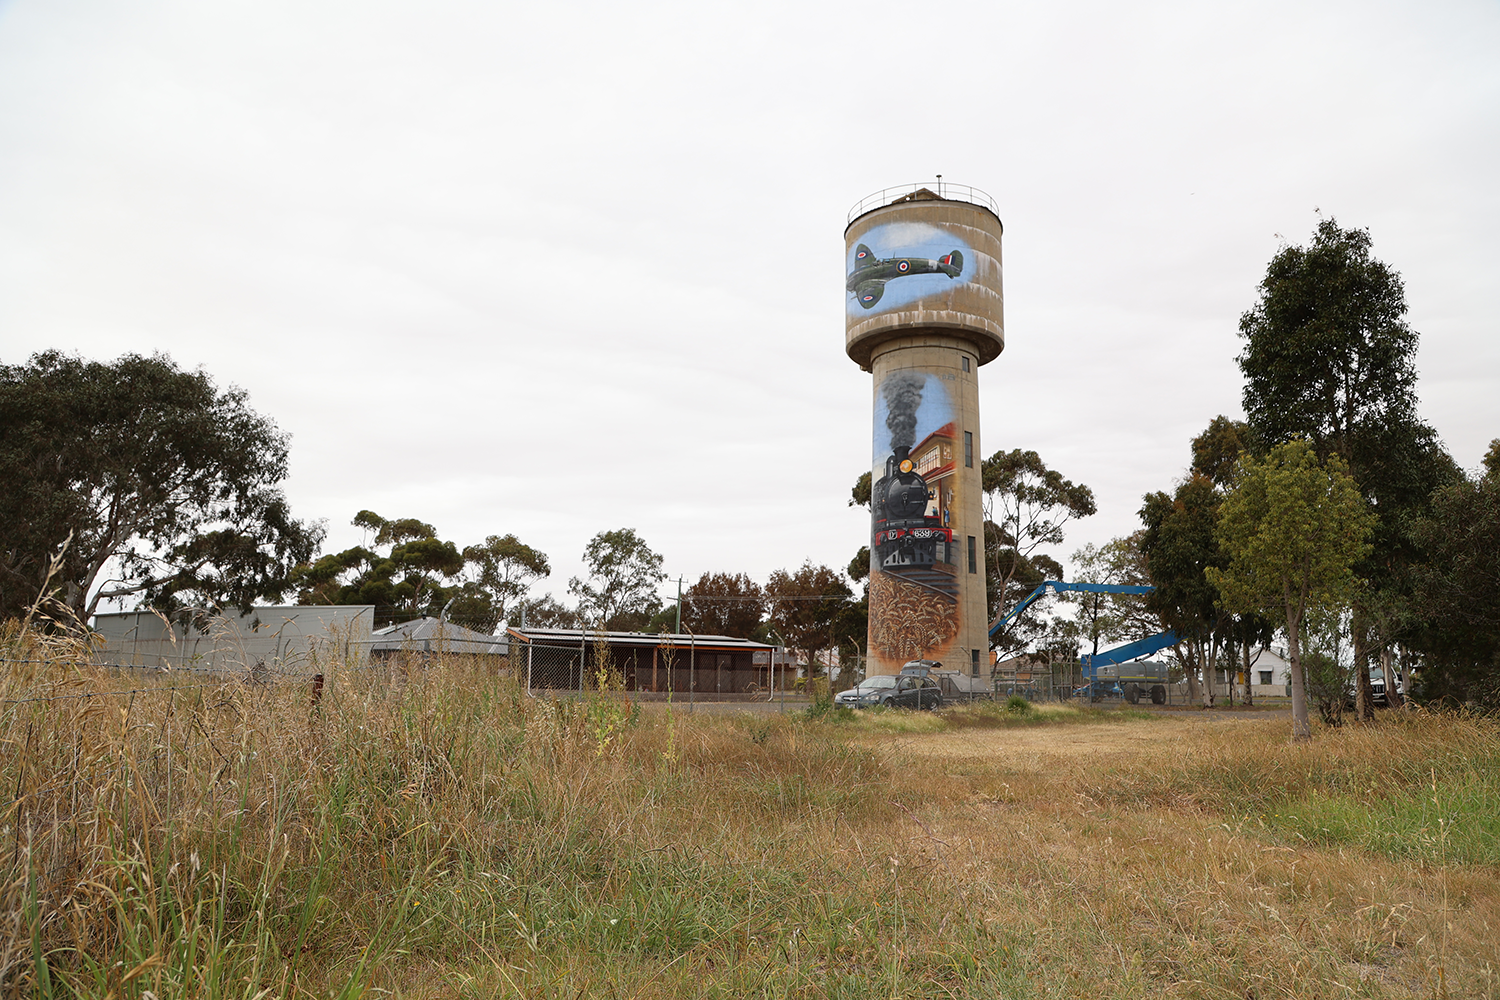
<point>557,268</point>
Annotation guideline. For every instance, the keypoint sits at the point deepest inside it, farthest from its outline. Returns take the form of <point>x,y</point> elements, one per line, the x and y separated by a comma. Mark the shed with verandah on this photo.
<point>569,659</point>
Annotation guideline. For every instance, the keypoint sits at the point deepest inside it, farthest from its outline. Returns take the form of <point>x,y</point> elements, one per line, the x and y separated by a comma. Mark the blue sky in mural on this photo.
<point>909,239</point>
<point>935,411</point>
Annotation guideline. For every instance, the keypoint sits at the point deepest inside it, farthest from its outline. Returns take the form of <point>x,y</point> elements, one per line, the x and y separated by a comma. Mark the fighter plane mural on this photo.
<point>867,280</point>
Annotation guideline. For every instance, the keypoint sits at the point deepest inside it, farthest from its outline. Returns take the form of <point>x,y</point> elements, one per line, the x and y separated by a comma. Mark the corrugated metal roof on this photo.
<point>280,635</point>
<point>574,636</point>
<point>436,635</point>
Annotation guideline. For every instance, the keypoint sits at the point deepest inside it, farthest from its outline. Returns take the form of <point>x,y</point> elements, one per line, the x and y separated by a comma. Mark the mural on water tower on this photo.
<point>913,561</point>
<point>903,263</point>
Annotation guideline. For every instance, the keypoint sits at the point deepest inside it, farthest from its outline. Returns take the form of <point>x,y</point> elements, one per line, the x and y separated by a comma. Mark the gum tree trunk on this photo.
<point>1387,668</point>
<point>1208,671</point>
<point>1364,693</point>
<point>1190,671</point>
<point>1301,730</point>
<point>1245,656</point>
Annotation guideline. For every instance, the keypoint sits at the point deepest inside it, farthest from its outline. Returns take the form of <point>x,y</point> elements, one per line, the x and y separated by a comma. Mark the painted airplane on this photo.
<point>867,280</point>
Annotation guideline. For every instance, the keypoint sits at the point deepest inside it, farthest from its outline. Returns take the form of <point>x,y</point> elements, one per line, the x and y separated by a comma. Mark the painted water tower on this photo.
<point>924,311</point>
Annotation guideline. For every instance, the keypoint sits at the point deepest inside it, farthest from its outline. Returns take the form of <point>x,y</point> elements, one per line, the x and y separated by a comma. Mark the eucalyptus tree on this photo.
<point>1112,617</point>
<point>1455,604</point>
<point>1329,357</point>
<point>500,573</point>
<point>1181,545</point>
<point>1216,455</point>
<point>724,604</point>
<point>806,608</point>
<point>1291,531</point>
<point>134,480</point>
<point>621,590</point>
<point>407,571</point>
<point>1027,506</point>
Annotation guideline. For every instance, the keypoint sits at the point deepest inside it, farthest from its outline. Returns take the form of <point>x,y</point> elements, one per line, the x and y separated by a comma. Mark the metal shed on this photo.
<point>434,636</point>
<point>568,659</point>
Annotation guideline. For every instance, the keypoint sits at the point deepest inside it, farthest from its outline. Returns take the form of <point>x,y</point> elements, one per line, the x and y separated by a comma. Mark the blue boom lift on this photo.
<point>1149,679</point>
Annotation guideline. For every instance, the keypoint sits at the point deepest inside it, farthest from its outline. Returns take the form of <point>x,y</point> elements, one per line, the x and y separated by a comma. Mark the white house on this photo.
<point>1270,673</point>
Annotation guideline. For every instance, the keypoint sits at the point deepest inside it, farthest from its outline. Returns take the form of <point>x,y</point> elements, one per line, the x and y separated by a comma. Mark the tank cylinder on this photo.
<point>924,311</point>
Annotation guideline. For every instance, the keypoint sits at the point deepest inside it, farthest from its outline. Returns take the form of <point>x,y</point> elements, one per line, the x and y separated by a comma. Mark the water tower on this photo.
<point>924,310</point>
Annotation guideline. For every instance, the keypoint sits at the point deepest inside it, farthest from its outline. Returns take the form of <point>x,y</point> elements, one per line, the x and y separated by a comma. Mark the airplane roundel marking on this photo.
<point>861,255</point>
<point>867,298</point>
<point>904,265</point>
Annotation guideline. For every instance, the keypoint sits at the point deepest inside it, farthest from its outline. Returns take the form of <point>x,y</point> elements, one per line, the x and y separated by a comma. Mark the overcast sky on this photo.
<point>558,268</point>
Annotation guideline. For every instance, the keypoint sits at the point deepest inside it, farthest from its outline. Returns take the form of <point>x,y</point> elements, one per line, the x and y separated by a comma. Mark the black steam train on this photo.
<point>902,534</point>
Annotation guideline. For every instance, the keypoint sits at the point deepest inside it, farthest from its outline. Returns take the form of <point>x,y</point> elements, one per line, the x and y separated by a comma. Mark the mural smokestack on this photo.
<point>924,310</point>
<point>903,396</point>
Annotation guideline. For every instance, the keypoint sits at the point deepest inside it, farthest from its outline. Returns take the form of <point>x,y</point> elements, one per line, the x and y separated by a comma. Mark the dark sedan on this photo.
<point>893,691</point>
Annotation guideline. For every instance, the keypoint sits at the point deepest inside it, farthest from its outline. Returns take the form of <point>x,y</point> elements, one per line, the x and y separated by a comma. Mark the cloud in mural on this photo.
<point>903,262</point>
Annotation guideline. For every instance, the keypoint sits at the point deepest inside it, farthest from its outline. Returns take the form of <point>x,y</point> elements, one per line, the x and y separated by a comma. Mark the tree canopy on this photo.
<point>724,604</point>
<point>620,592</point>
<point>1181,546</point>
<point>1216,451</point>
<point>1291,531</point>
<point>806,607</point>
<point>500,574</point>
<point>1455,606</point>
<point>1327,348</point>
<point>414,575</point>
<point>1112,618</point>
<point>407,571</point>
<point>1027,506</point>
<point>143,481</point>
<point>1330,358</point>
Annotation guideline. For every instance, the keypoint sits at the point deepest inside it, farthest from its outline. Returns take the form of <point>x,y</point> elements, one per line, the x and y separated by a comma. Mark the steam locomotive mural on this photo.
<point>906,535</point>
<point>911,534</point>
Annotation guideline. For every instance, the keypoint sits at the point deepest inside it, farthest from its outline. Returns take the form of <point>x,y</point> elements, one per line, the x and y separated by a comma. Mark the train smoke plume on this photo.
<point>903,394</point>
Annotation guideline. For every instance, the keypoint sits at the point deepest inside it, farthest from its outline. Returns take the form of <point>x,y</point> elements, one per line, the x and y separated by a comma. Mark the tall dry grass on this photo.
<point>435,833</point>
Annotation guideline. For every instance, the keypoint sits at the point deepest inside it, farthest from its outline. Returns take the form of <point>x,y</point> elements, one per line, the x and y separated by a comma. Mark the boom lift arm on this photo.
<point>1120,654</point>
<point>1061,587</point>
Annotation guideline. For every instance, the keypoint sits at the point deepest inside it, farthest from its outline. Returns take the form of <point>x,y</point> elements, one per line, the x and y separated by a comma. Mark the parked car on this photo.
<point>1377,686</point>
<point>912,688</point>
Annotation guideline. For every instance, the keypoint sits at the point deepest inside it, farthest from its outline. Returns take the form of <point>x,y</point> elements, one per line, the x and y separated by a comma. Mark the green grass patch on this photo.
<point>1422,788</point>
<point>1457,823</point>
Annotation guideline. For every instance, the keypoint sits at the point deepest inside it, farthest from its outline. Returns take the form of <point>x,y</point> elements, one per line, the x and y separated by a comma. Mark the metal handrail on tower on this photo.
<point>944,190</point>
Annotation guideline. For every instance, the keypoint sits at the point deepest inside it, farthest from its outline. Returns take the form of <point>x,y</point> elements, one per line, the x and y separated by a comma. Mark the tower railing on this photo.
<point>943,189</point>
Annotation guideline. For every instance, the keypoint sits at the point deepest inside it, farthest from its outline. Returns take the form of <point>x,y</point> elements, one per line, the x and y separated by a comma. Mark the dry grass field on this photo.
<point>436,834</point>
